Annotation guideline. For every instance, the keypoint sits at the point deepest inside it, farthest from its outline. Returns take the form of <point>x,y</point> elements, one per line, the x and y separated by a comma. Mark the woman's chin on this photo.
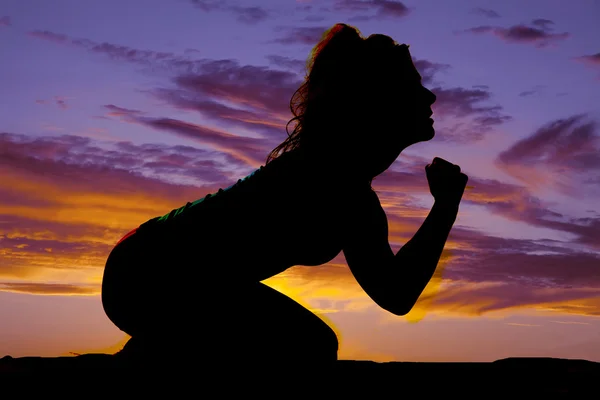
<point>429,133</point>
<point>426,133</point>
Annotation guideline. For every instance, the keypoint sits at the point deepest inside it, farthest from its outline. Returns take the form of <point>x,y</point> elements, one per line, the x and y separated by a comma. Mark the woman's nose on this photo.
<point>431,97</point>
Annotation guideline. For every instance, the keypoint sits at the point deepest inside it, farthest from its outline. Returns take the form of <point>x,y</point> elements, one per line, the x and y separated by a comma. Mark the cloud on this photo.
<point>516,203</point>
<point>428,69</point>
<point>267,123</point>
<point>318,14</point>
<point>539,34</point>
<point>486,12</point>
<point>246,86</point>
<point>247,150</point>
<point>50,288</point>
<point>5,21</point>
<point>591,59</point>
<point>207,5</point>
<point>483,298</point>
<point>478,274</point>
<point>293,64</point>
<point>115,111</point>
<point>245,96</point>
<point>462,102</point>
<point>521,262</point>
<point>252,98</point>
<point>50,36</point>
<point>60,101</point>
<point>555,154</point>
<point>543,23</point>
<point>405,179</point>
<point>54,154</point>
<point>248,15</point>
<point>156,59</point>
<point>381,9</point>
<point>468,104</point>
<point>66,200</point>
<point>486,281</point>
<point>309,36</point>
<point>533,91</point>
<point>257,98</point>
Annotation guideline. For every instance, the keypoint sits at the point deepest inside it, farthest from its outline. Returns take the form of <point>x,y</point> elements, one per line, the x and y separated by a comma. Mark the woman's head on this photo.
<point>362,101</point>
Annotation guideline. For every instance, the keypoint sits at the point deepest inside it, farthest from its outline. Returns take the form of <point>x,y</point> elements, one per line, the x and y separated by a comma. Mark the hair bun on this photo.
<point>335,54</point>
<point>339,38</point>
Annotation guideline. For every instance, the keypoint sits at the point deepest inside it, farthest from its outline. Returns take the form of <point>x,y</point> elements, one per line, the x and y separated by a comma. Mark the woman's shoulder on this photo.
<point>304,170</point>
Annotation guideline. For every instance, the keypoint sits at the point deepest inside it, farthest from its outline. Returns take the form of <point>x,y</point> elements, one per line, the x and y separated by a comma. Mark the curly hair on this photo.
<point>342,66</point>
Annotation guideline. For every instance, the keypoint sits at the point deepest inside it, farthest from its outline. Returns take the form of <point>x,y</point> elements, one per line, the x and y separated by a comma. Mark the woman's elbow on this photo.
<point>396,300</point>
<point>400,310</point>
<point>397,307</point>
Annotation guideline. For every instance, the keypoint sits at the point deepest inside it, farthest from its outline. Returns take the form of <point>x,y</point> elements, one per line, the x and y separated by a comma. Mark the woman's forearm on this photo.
<point>417,260</point>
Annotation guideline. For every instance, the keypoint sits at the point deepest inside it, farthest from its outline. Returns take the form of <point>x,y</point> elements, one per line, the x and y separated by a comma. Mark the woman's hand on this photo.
<point>446,182</point>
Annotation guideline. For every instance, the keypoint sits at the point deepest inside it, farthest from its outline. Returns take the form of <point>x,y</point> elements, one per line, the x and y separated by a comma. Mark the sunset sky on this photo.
<point>113,112</point>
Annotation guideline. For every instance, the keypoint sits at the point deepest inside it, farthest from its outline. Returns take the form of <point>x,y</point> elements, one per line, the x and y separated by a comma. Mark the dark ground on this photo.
<point>511,376</point>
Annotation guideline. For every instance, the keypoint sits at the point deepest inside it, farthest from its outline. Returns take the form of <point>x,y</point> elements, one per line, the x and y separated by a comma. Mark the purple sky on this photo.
<point>114,112</point>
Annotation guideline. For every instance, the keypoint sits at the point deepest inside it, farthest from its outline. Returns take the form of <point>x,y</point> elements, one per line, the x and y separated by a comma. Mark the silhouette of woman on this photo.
<point>190,280</point>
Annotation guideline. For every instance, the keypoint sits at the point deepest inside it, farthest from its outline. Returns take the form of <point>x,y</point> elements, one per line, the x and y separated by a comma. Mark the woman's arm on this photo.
<point>395,282</point>
<point>419,257</point>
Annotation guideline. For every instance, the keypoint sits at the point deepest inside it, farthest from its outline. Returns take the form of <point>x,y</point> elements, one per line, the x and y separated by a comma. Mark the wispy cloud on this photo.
<point>365,10</point>
<point>246,96</point>
<point>570,322</point>
<point>59,101</point>
<point>308,36</point>
<point>249,151</point>
<point>66,200</point>
<point>116,111</point>
<point>293,64</point>
<point>536,90</point>
<point>46,289</point>
<point>556,154</point>
<point>117,52</point>
<point>464,286</point>
<point>591,59</point>
<point>428,69</point>
<point>5,21</point>
<point>539,33</point>
<point>257,97</point>
<point>248,15</point>
<point>468,105</point>
<point>486,12</point>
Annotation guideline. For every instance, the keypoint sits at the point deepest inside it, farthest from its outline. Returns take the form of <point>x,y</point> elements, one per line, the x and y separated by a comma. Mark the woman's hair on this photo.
<point>342,69</point>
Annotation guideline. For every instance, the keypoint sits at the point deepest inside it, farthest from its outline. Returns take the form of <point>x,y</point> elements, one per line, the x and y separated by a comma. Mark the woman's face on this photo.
<point>404,114</point>
<point>409,111</point>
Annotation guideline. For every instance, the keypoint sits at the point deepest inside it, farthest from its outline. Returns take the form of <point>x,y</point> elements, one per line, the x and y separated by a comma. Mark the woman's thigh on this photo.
<point>148,290</point>
<point>257,321</point>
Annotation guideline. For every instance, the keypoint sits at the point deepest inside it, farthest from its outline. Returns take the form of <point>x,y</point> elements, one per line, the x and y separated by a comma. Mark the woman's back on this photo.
<point>283,214</point>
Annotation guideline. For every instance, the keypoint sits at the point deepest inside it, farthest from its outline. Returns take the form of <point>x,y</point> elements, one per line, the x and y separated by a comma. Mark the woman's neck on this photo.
<point>334,170</point>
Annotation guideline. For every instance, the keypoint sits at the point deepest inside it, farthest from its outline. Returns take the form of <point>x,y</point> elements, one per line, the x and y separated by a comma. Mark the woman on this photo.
<point>190,280</point>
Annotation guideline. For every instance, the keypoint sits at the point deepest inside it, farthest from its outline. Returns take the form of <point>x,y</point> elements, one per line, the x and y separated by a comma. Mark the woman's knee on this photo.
<point>117,291</point>
<point>325,339</point>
